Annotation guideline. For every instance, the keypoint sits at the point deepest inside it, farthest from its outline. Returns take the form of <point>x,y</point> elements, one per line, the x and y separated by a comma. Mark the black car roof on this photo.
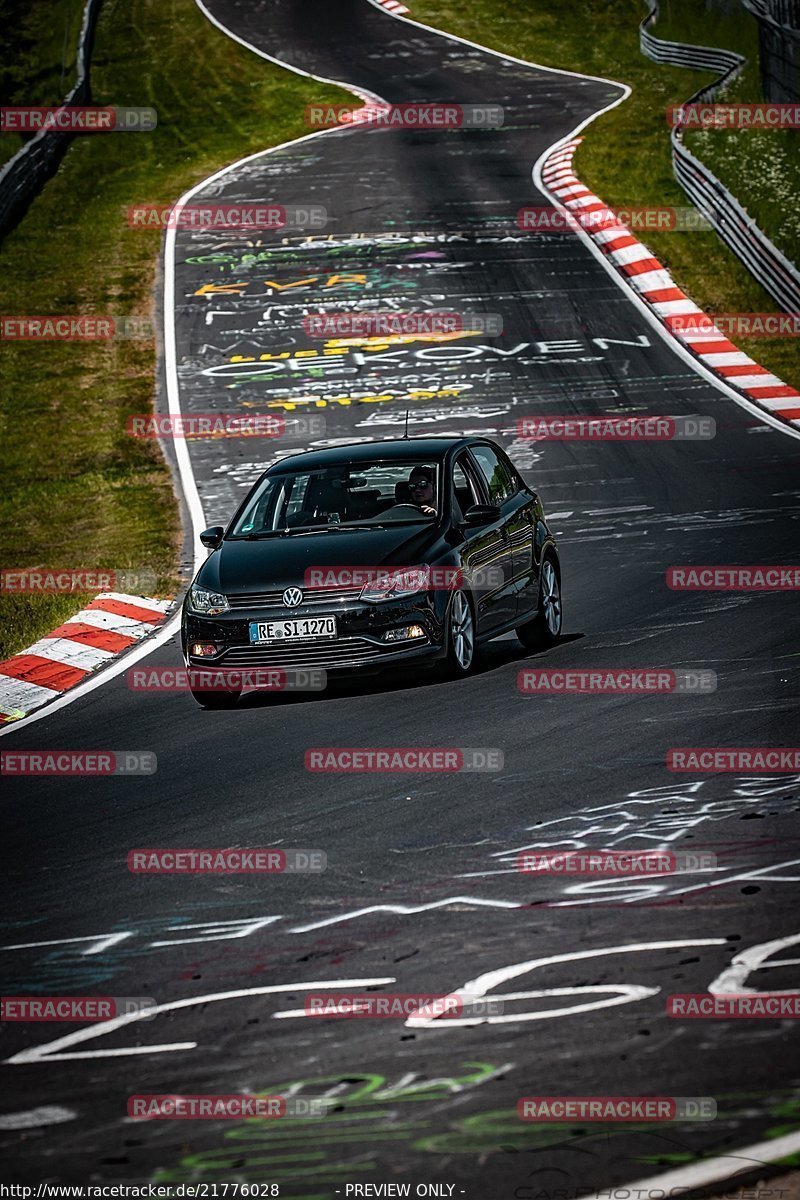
<point>424,448</point>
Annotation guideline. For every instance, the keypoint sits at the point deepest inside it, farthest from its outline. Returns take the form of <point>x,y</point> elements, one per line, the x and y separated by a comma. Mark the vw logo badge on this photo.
<point>292,597</point>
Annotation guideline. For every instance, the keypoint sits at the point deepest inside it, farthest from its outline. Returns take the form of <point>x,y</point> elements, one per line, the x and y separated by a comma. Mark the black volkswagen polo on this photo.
<point>360,557</point>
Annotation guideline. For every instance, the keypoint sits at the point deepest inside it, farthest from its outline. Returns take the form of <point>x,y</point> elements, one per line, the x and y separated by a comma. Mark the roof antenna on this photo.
<point>405,432</point>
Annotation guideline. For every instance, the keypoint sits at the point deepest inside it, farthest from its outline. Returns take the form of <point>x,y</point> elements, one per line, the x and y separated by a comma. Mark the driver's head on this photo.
<point>421,485</point>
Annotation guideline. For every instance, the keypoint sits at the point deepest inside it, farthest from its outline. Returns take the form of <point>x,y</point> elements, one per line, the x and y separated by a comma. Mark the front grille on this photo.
<point>313,597</point>
<point>345,652</point>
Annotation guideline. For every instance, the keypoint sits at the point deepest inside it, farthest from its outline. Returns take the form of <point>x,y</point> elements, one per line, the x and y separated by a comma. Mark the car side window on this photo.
<point>465,491</point>
<point>517,482</point>
<point>500,486</point>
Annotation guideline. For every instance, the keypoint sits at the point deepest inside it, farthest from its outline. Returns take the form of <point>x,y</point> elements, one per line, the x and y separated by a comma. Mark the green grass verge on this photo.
<point>38,52</point>
<point>760,167</point>
<point>625,155</point>
<point>78,492</point>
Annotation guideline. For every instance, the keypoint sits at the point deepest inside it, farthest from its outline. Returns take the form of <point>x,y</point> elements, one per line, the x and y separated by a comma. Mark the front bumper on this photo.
<point>359,645</point>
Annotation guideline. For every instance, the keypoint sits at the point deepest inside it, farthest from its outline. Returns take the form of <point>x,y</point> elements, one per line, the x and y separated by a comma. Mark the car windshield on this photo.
<point>362,495</point>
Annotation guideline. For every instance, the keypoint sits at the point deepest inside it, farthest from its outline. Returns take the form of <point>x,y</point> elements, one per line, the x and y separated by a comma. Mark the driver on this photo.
<point>421,484</point>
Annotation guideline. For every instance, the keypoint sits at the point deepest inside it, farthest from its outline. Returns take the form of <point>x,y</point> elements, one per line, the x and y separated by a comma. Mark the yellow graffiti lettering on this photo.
<point>283,287</point>
<point>334,280</point>
<point>400,339</point>
<point>215,289</point>
<point>369,398</point>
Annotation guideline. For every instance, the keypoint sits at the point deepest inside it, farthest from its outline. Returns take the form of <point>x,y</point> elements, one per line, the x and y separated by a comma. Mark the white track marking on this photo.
<point>37,1118</point>
<point>733,979</point>
<point>624,993</point>
<point>486,983</point>
<point>50,1051</point>
<point>404,910</point>
<point>104,942</point>
<point>219,931</point>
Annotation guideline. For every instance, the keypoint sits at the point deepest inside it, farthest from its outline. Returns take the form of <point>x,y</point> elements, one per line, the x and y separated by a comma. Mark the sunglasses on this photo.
<point>422,482</point>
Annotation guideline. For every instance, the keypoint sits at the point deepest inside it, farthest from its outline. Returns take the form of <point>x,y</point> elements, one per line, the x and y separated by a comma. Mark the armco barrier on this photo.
<point>739,231</point>
<point>34,163</point>
<point>778,47</point>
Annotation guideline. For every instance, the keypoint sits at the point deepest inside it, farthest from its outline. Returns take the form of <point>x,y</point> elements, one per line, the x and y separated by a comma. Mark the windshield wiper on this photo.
<point>353,525</point>
<point>256,536</point>
<point>293,530</point>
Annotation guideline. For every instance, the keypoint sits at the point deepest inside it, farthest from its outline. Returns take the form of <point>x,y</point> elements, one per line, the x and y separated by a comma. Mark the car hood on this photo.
<point>274,563</point>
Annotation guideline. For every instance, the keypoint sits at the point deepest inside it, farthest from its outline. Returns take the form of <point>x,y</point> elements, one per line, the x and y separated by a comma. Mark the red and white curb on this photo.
<point>96,635</point>
<point>394,6</point>
<point>654,284</point>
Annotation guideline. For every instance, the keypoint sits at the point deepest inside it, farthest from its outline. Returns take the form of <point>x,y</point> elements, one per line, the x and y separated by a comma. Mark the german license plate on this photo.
<point>296,629</point>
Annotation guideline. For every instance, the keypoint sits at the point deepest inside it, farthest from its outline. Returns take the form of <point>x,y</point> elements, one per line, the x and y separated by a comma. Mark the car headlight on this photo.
<point>397,585</point>
<point>210,604</point>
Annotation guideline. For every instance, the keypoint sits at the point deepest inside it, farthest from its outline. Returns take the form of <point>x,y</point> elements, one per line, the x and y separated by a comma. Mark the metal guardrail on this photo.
<point>783,14</point>
<point>26,173</point>
<point>779,47</point>
<point>732,223</point>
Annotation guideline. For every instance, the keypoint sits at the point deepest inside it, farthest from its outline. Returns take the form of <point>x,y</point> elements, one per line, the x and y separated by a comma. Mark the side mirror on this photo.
<point>212,538</point>
<point>482,514</point>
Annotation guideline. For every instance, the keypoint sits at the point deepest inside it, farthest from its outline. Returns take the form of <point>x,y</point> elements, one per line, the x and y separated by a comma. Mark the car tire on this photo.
<point>216,699</point>
<point>459,637</point>
<point>545,628</point>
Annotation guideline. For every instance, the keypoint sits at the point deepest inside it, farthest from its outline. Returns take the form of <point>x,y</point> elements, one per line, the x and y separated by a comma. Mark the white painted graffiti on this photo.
<point>590,998</point>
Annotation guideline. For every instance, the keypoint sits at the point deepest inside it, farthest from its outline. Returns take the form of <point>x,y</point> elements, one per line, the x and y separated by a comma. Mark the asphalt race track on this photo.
<point>421,892</point>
